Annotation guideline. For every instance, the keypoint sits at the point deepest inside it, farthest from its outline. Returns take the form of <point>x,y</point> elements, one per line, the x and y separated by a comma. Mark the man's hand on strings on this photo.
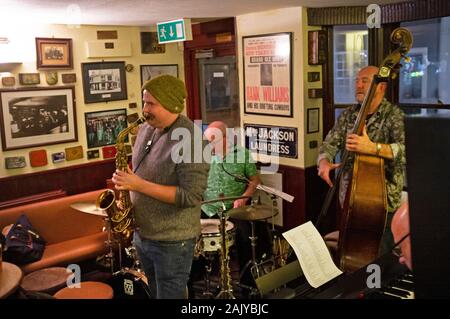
<point>360,143</point>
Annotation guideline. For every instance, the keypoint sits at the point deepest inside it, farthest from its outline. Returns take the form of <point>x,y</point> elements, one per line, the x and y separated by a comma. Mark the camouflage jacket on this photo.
<point>385,126</point>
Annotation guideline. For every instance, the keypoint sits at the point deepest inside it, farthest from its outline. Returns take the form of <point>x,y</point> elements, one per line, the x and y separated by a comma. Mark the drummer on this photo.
<point>232,173</point>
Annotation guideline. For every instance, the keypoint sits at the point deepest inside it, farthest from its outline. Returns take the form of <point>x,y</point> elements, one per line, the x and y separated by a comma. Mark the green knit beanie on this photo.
<point>168,90</point>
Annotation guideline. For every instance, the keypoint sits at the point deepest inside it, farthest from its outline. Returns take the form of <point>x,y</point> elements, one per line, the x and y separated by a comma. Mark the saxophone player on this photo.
<point>165,192</point>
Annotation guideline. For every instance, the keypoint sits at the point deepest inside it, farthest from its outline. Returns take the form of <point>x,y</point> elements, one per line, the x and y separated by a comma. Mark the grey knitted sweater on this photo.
<point>157,220</point>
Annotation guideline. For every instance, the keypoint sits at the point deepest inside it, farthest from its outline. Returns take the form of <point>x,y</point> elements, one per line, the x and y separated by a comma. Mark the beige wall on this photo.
<point>23,48</point>
<point>275,21</point>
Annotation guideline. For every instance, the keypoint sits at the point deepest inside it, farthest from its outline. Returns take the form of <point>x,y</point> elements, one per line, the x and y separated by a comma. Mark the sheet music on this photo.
<point>312,253</point>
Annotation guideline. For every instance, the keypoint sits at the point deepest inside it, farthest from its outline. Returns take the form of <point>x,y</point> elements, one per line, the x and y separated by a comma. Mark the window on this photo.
<point>425,78</point>
<point>350,45</point>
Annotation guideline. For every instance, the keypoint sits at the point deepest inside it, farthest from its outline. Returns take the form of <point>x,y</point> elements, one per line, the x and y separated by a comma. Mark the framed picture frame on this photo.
<point>312,122</point>
<point>54,53</point>
<point>150,45</point>
<point>38,116</point>
<point>268,74</point>
<point>103,127</point>
<point>148,72</point>
<point>29,78</point>
<point>104,81</point>
<point>317,47</point>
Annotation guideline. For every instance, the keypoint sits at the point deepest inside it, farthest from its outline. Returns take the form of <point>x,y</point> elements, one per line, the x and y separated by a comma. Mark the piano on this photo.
<point>397,282</point>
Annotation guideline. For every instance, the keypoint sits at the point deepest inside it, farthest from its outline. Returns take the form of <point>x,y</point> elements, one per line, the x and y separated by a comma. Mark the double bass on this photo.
<point>365,206</point>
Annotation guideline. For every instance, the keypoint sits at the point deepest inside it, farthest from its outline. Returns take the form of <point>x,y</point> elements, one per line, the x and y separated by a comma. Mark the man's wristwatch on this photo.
<point>378,149</point>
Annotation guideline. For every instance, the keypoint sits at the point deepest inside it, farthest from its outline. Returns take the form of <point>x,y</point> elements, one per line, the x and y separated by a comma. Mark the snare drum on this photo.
<point>210,239</point>
<point>130,284</point>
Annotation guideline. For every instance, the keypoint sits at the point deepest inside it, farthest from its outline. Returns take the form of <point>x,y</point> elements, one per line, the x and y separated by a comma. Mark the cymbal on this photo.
<point>221,199</point>
<point>89,208</point>
<point>252,212</point>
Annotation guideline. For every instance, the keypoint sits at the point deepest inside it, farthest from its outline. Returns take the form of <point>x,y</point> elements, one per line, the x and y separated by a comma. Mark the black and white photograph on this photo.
<point>38,116</point>
<point>104,81</point>
<point>102,128</point>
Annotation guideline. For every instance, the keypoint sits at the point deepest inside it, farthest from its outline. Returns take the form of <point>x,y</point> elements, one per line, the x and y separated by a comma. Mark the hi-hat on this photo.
<point>89,208</point>
<point>252,212</point>
<point>221,199</point>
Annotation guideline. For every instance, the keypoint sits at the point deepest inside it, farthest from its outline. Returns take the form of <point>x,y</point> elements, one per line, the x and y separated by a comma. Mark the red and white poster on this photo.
<point>267,74</point>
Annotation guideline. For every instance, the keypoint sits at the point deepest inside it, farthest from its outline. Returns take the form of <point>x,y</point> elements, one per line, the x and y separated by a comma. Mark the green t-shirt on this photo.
<point>238,162</point>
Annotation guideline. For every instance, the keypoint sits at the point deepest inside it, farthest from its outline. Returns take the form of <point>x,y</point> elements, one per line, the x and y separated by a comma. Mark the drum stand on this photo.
<point>208,267</point>
<point>252,262</point>
<point>226,291</point>
<point>107,260</point>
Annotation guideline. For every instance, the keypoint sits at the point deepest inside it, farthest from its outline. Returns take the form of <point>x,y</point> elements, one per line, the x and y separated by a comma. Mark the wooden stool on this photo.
<point>87,290</point>
<point>47,280</point>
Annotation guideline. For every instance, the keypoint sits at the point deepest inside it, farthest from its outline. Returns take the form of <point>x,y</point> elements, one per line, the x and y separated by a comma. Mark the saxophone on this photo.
<point>120,212</point>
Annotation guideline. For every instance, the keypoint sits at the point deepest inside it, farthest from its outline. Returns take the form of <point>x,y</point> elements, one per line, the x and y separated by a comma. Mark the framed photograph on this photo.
<point>32,117</point>
<point>317,47</point>
<point>29,78</point>
<point>268,74</point>
<point>148,72</point>
<point>53,53</point>
<point>69,77</point>
<point>313,120</point>
<point>93,154</point>
<point>102,128</point>
<point>104,81</point>
<point>15,162</point>
<point>8,81</point>
<point>150,45</point>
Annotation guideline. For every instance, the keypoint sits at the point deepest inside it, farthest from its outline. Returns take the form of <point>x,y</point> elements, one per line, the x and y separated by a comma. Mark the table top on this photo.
<point>10,278</point>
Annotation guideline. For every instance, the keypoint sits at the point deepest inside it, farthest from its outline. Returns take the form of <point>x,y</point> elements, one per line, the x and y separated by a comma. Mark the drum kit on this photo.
<point>132,282</point>
<point>211,239</point>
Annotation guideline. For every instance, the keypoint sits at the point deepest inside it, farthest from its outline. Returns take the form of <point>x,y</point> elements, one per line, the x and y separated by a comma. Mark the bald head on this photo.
<point>400,228</point>
<point>362,85</point>
<point>215,134</point>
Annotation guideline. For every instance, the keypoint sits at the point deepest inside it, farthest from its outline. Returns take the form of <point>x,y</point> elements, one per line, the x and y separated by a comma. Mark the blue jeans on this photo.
<point>167,265</point>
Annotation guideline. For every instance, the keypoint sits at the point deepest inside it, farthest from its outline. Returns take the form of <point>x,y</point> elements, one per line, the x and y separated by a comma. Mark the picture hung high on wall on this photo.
<point>32,117</point>
<point>268,74</point>
<point>104,81</point>
<point>148,72</point>
<point>53,53</point>
<point>102,128</point>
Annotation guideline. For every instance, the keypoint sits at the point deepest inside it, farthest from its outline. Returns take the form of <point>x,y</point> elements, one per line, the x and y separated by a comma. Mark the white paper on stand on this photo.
<point>276,192</point>
<point>312,253</point>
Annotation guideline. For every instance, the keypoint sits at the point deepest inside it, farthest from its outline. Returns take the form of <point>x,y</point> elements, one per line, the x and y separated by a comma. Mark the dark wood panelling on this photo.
<point>337,15</point>
<point>72,179</point>
<point>414,10</point>
<point>390,13</point>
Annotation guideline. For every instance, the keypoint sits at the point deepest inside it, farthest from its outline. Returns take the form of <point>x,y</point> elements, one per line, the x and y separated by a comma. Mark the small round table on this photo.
<point>46,280</point>
<point>10,278</point>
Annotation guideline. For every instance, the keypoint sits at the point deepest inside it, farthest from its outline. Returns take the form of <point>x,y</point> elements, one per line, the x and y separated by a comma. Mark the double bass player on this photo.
<point>383,136</point>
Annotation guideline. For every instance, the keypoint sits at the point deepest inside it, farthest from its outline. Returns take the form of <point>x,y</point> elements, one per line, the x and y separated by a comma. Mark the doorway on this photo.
<point>219,91</point>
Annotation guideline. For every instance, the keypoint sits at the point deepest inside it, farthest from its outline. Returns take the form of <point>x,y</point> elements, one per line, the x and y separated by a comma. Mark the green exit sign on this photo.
<point>174,31</point>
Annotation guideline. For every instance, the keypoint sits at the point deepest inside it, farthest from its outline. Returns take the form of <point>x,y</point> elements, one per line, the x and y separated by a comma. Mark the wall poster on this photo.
<point>268,74</point>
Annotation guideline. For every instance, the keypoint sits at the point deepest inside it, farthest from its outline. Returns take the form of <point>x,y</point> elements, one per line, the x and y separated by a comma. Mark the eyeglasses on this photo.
<point>396,250</point>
